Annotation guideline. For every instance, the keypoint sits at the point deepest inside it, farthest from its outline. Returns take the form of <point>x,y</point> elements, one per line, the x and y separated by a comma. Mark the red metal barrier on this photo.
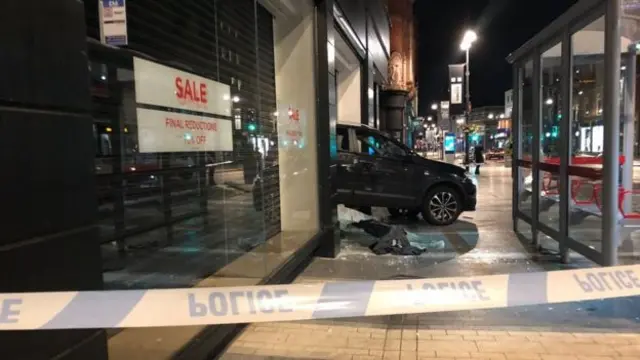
<point>575,160</point>
<point>576,184</point>
<point>622,194</point>
<point>551,166</point>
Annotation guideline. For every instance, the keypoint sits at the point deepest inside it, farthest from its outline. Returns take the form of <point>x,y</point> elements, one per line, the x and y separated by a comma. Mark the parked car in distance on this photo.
<point>375,170</point>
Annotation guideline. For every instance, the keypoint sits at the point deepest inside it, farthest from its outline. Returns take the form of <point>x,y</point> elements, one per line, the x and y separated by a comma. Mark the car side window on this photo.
<point>370,143</point>
<point>342,139</point>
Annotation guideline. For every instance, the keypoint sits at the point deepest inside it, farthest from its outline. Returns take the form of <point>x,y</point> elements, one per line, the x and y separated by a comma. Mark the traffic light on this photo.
<point>554,131</point>
<point>474,137</point>
<point>251,127</point>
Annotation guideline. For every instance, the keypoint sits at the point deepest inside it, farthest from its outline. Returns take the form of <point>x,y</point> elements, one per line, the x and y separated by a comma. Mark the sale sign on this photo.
<point>291,124</point>
<point>164,131</point>
<point>165,86</point>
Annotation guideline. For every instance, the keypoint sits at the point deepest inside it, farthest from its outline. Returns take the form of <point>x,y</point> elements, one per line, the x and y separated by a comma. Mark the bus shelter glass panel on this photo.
<point>526,140</point>
<point>586,140</point>
<point>629,194</point>
<point>550,115</point>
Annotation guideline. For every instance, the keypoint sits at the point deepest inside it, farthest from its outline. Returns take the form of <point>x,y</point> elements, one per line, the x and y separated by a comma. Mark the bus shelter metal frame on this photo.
<point>561,30</point>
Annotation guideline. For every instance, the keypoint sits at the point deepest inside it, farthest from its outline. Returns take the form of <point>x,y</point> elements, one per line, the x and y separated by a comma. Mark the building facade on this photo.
<point>398,98</point>
<point>196,152</point>
<point>361,56</point>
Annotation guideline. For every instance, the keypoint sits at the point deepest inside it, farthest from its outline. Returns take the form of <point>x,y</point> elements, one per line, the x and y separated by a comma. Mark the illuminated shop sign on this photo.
<point>171,129</point>
<point>292,124</point>
<point>169,87</point>
<point>164,131</point>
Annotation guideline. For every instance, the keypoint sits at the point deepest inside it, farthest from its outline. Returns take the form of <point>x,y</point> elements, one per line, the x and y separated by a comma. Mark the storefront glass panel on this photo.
<point>206,151</point>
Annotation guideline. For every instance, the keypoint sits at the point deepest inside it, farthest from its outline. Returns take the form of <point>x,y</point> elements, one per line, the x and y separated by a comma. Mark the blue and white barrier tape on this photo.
<point>204,306</point>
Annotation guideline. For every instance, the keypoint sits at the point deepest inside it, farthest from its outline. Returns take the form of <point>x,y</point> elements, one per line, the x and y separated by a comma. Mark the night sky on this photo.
<point>502,27</point>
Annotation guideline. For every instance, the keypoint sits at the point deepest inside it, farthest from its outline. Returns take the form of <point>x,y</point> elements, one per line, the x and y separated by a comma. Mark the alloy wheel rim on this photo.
<point>443,206</point>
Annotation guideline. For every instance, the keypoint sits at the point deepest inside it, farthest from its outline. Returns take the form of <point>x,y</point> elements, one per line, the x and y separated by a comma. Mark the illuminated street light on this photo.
<point>468,39</point>
<point>549,101</point>
<point>490,116</point>
<point>434,106</point>
<point>429,118</point>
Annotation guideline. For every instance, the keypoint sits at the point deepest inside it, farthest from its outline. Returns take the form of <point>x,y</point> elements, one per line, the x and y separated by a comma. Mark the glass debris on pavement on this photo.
<point>382,238</point>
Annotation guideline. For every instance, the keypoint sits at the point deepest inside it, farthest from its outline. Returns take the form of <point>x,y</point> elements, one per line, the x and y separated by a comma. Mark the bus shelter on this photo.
<point>574,126</point>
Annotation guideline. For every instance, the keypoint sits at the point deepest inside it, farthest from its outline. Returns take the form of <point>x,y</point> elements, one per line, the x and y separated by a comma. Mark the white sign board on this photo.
<point>113,22</point>
<point>168,87</point>
<point>444,113</point>
<point>508,103</point>
<point>456,93</point>
<point>163,131</point>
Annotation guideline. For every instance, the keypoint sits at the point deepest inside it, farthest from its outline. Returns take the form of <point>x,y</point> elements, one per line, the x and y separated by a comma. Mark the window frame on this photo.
<point>378,153</point>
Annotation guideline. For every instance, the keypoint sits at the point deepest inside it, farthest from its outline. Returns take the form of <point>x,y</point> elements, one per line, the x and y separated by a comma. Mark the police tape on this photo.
<point>209,306</point>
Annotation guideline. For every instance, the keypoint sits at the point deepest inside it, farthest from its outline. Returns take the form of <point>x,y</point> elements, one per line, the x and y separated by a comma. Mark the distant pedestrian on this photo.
<point>478,157</point>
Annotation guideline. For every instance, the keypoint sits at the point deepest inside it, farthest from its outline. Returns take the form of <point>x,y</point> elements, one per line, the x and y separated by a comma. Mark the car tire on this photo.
<point>442,206</point>
<point>400,212</point>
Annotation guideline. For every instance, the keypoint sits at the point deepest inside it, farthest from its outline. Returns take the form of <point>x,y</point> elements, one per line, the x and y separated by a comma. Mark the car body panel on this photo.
<point>383,182</point>
<point>400,181</point>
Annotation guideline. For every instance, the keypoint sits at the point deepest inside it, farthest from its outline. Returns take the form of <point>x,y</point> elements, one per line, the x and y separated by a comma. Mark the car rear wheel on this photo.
<point>400,212</point>
<point>442,206</point>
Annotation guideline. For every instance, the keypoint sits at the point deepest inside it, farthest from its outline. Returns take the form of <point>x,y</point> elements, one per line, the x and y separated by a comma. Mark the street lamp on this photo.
<point>434,106</point>
<point>468,39</point>
<point>429,118</point>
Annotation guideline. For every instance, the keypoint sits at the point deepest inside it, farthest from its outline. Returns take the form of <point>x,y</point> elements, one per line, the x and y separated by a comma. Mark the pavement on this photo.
<point>482,243</point>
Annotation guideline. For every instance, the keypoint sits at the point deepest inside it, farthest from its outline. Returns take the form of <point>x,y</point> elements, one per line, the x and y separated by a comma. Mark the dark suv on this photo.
<point>373,169</point>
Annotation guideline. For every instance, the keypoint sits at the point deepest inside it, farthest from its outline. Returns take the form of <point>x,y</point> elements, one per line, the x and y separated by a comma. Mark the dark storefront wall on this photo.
<point>47,183</point>
<point>369,23</point>
<point>164,219</point>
